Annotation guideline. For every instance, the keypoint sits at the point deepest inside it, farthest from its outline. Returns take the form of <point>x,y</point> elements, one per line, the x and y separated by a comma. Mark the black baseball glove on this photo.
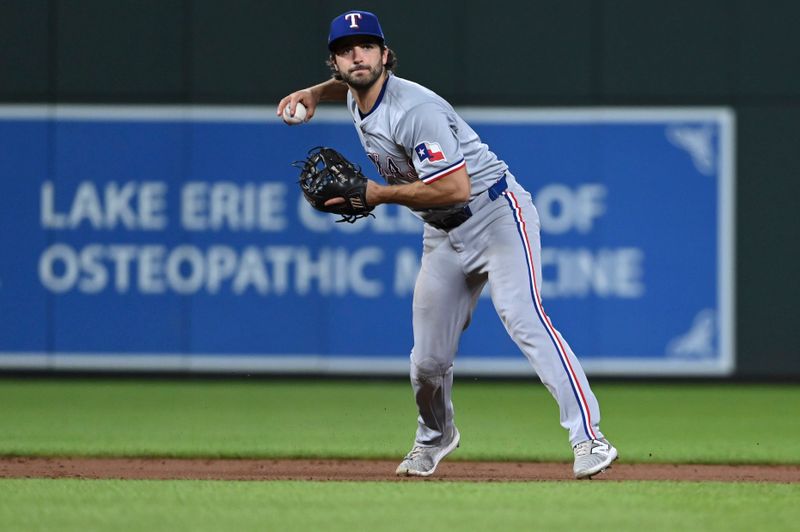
<point>327,174</point>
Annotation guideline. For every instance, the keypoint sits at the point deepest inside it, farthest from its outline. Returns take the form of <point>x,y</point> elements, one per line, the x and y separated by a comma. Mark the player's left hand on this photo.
<point>331,183</point>
<point>372,196</point>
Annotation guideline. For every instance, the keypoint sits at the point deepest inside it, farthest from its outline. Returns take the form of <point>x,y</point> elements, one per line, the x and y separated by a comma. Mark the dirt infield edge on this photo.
<point>372,470</point>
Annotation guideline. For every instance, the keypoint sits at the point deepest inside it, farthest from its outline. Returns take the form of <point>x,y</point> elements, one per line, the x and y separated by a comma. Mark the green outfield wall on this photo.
<point>742,54</point>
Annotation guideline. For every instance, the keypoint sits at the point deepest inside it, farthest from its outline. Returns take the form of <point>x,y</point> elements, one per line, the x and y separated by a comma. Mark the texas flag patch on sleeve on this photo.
<point>430,151</point>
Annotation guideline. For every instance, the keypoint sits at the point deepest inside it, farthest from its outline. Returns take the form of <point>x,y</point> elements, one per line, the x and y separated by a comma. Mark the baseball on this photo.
<point>299,114</point>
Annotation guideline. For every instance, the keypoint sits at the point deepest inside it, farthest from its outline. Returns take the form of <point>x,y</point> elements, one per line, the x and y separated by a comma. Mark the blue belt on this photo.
<point>450,222</point>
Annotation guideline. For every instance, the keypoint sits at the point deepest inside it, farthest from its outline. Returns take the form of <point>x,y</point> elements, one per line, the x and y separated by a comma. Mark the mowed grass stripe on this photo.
<point>79,505</point>
<point>688,423</point>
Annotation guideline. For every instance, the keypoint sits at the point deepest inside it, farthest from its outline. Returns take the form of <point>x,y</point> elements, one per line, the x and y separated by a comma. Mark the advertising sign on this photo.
<point>176,239</point>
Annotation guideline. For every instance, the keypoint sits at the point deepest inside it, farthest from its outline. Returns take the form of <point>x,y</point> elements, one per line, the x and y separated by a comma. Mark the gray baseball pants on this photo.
<point>498,244</point>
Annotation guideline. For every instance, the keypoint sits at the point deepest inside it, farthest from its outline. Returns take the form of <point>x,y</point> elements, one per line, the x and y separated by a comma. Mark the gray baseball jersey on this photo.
<point>412,134</point>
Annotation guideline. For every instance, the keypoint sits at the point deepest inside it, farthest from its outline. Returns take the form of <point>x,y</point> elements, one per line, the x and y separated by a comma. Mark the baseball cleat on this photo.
<point>593,457</point>
<point>422,461</point>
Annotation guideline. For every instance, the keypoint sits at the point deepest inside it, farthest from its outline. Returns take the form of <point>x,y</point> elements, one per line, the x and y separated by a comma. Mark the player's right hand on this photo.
<point>305,96</point>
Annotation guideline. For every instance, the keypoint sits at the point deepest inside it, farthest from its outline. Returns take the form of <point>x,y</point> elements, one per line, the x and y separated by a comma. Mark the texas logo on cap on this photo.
<point>354,23</point>
<point>353,18</point>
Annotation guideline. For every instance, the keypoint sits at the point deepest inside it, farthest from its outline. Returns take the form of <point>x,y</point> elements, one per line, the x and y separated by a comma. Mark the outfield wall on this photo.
<point>175,238</point>
<point>736,54</point>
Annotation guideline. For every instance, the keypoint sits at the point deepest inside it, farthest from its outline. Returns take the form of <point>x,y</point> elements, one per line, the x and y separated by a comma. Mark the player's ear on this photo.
<point>385,55</point>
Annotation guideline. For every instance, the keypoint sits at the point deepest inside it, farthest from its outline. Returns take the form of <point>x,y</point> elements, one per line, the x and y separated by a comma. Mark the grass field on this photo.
<point>290,418</point>
<point>498,420</point>
<point>205,505</point>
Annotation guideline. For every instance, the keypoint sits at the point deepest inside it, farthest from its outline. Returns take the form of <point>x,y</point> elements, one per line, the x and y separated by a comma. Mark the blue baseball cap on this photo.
<point>354,23</point>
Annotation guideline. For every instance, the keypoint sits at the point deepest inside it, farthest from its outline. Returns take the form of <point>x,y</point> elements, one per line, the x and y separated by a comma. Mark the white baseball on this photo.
<point>299,114</point>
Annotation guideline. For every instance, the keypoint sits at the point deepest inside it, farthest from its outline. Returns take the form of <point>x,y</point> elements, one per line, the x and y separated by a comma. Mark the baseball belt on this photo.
<point>451,221</point>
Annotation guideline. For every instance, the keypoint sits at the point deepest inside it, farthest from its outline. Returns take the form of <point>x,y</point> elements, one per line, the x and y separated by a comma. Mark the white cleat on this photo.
<point>422,461</point>
<point>593,457</point>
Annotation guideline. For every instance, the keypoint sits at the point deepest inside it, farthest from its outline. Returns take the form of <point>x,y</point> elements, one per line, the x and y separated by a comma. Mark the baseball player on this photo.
<point>480,227</point>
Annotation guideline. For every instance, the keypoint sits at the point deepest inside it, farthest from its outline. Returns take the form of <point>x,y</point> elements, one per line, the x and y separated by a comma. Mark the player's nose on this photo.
<point>358,54</point>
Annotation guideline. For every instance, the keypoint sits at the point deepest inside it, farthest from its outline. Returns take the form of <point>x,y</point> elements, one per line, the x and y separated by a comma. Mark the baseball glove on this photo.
<point>327,174</point>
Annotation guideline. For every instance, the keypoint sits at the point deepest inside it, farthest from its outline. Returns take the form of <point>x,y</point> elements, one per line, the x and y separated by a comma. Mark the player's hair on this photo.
<point>391,63</point>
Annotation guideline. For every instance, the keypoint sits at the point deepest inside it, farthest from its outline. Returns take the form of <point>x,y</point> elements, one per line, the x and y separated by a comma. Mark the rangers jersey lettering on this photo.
<point>413,134</point>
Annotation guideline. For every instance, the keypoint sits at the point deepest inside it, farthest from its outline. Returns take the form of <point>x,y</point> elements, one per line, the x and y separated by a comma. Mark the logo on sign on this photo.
<point>698,142</point>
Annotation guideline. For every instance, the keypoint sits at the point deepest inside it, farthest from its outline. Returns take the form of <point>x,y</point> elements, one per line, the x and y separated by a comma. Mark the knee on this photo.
<point>428,368</point>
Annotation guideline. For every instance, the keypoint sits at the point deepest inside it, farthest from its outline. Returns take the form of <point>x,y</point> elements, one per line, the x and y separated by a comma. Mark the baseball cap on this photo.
<point>354,23</point>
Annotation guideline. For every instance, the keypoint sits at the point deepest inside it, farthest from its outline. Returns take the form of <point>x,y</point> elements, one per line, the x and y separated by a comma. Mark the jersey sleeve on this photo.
<point>428,134</point>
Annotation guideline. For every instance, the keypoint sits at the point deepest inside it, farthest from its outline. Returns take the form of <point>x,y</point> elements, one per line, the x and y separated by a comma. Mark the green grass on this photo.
<point>498,420</point>
<point>80,505</point>
<point>292,418</point>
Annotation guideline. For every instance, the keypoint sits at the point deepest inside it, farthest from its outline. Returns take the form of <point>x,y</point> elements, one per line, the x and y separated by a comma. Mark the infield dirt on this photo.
<point>373,470</point>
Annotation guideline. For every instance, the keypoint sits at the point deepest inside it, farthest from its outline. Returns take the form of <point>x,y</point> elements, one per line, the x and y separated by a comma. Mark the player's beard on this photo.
<point>363,83</point>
